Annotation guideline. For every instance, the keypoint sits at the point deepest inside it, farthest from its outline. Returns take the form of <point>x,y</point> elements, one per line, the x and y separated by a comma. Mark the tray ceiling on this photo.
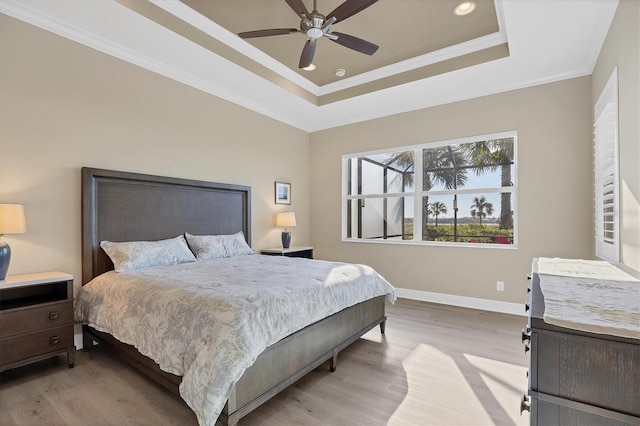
<point>427,55</point>
<point>404,29</point>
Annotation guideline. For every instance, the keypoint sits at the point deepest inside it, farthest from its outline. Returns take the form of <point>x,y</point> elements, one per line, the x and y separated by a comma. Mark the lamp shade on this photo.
<point>12,219</point>
<point>286,220</point>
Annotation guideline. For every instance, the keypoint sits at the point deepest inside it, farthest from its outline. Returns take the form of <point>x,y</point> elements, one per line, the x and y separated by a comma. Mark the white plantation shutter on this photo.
<point>605,137</point>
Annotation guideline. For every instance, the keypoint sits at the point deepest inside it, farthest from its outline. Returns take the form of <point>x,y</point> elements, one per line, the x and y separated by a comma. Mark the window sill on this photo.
<point>434,244</point>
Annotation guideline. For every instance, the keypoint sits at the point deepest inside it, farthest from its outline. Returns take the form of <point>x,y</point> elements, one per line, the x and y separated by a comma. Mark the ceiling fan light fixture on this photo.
<point>464,8</point>
<point>309,67</point>
<point>315,32</point>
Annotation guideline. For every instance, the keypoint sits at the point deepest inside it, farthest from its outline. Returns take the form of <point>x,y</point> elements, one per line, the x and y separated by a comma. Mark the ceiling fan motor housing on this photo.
<point>313,27</point>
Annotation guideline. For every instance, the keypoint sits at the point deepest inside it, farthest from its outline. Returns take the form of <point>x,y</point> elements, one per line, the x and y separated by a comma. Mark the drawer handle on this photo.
<point>525,405</point>
<point>526,339</point>
<point>54,340</point>
<point>54,315</point>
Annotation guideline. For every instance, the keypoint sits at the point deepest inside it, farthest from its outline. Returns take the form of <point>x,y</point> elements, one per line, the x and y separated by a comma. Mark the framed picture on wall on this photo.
<point>283,193</point>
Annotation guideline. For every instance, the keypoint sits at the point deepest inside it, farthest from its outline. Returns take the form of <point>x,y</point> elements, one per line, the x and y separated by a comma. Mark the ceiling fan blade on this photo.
<point>266,33</point>
<point>307,53</point>
<point>355,43</point>
<point>349,8</point>
<point>298,7</point>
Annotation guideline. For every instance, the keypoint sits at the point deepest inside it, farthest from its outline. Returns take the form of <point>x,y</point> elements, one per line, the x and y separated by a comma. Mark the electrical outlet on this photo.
<point>500,286</point>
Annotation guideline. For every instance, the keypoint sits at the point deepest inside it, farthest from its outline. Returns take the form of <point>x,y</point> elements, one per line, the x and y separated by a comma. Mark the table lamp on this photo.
<point>286,220</point>
<point>12,221</point>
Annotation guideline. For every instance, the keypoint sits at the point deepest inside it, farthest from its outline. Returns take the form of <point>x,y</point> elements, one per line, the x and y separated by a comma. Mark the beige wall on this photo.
<point>553,122</point>
<point>64,106</point>
<point>622,49</point>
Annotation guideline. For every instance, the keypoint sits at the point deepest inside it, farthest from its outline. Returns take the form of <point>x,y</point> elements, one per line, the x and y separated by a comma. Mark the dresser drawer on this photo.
<point>35,344</point>
<point>548,410</point>
<point>586,369</point>
<point>39,317</point>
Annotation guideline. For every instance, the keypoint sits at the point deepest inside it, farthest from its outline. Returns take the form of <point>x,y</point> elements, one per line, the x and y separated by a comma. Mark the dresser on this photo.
<point>578,377</point>
<point>36,318</point>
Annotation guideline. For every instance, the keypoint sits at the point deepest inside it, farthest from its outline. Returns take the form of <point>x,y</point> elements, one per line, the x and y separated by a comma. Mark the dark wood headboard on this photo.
<point>121,206</point>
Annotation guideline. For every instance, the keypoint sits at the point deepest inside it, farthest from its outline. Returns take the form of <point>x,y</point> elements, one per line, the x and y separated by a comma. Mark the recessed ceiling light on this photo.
<point>339,72</point>
<point>309,67</point>
<point>464,8</point>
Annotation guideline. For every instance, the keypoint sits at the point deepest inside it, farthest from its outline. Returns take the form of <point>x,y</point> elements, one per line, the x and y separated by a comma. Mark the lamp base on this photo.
<point>286,239</point>
<point>5,257</point>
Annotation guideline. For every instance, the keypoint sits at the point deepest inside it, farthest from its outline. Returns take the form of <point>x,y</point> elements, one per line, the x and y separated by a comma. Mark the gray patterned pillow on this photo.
<point>132,255</point>
<point>217,246</point>
<point>236,245</point>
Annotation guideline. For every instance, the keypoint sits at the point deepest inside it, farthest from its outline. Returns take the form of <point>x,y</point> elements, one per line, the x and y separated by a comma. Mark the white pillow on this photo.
<point>206,246</point>
<point>132,255</point>
<point>236,245</point>
<point>217,246</point>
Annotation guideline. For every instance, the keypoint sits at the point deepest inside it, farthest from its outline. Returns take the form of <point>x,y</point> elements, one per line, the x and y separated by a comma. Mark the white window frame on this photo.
<point>606,172</point>
<point>418,193</point>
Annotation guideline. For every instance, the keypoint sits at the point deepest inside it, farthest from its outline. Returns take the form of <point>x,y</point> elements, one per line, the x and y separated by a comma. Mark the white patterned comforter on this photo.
<point>209,320</point>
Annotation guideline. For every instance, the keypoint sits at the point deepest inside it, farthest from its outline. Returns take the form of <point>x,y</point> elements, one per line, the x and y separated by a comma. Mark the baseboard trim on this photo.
<point>463,301</point>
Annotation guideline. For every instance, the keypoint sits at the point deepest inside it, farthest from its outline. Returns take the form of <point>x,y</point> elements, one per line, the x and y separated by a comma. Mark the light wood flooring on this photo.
<point>436,365</point>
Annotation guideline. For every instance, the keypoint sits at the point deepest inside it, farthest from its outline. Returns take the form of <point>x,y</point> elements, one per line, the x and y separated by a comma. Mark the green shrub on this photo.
<point>466,233</point>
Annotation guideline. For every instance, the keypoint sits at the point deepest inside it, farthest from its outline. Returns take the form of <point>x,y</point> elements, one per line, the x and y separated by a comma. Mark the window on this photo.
<point>605,137</point>
<point>452,192</point>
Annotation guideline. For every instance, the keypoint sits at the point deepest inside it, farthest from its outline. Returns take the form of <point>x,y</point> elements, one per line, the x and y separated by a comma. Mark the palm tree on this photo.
<point>480,208</point>
<point>486,157</point>
<point>437,208</point>
<point>445,165</point>
<point>404,162</point>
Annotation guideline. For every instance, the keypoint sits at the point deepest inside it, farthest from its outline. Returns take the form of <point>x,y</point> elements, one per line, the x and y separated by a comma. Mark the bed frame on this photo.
<point>121,206</point>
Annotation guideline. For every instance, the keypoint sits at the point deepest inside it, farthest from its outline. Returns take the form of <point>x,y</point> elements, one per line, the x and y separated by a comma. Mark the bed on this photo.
<point>121,207</point>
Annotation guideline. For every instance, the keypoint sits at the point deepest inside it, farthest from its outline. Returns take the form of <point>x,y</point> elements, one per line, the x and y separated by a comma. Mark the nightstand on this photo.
<point>306,252</point>
<point>36,318</point>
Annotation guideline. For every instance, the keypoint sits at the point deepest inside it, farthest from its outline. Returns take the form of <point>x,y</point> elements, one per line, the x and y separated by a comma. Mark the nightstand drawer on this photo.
<point>40,317</point>
<point>35,344</point>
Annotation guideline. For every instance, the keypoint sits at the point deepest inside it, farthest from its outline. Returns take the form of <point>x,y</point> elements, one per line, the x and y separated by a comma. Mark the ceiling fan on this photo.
<point>315,25</point>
